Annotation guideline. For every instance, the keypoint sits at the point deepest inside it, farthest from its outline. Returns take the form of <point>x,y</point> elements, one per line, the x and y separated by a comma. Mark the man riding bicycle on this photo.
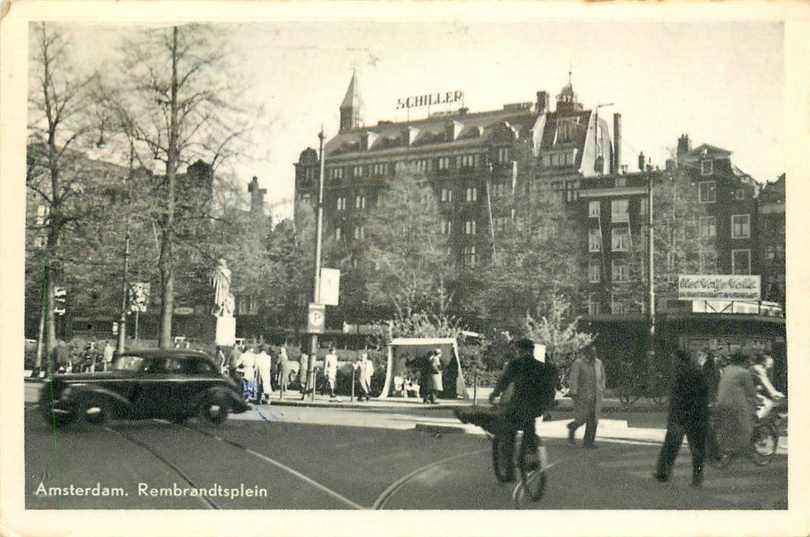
<point>526,389</point>
<point>767,395</point>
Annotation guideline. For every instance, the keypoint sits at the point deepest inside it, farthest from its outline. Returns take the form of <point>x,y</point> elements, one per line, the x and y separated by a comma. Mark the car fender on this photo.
<point>237,404</point>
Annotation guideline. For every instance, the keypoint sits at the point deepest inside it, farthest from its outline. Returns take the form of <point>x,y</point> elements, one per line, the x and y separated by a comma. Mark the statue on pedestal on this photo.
<point>223,298</point>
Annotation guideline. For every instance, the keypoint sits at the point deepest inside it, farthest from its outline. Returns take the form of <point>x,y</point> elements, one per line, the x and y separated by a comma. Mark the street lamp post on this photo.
<point>316,294</point>
<point>650,269</point>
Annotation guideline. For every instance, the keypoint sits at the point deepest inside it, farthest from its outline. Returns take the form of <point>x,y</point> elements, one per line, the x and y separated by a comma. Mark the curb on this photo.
<point>439,429</point>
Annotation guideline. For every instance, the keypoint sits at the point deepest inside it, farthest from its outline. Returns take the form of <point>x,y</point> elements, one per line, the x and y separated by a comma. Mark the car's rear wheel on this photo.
<point>214,410</point>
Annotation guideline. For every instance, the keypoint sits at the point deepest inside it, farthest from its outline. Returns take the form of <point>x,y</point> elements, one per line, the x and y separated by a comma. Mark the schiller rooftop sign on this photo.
<point>430,99</point>
<point>718,287</point>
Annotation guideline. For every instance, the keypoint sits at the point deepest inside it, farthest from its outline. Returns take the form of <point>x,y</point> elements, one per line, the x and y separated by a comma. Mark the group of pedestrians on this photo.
<point>715,406</point>
<point>259,367</point>
<point>429,367</point>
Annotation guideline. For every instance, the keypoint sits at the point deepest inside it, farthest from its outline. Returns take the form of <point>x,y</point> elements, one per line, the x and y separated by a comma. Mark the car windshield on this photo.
<point>127,363</point>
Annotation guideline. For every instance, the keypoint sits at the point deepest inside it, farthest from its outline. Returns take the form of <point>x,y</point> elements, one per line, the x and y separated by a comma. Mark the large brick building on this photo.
<point>461,153</point>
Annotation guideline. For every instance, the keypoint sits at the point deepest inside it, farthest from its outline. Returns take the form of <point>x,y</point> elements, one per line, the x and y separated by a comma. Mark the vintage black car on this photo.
<point>173,384</point>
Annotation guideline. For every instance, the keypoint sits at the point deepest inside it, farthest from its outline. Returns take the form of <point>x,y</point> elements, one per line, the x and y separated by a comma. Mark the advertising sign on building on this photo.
<point>718,287</point>
<point>430,99</point>
<point>330,286</point>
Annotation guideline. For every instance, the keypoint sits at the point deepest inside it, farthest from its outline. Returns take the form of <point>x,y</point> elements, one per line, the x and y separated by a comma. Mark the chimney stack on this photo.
<point>617,143</point>
<point>684,146</point>
<point>541,106</point>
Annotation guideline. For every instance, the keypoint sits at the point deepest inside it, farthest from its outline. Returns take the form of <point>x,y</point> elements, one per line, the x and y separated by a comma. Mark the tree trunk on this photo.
<point>166,247</point>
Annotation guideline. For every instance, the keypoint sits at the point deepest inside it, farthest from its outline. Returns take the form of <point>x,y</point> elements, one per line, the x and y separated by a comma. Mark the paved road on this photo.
<point>316,466</point>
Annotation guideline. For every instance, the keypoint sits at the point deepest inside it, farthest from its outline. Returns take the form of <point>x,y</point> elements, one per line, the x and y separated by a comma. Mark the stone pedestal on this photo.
<point>226,331</point>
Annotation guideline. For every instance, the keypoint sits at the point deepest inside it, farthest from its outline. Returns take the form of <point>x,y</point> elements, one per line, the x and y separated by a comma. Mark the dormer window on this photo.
<point>706,167</point>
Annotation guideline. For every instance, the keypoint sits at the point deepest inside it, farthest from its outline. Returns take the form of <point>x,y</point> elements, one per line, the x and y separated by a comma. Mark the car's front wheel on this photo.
<point>94,411</point>
<point>214,410</point>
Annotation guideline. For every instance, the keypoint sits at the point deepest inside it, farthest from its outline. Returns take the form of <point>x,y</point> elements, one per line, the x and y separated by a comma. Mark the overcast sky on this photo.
<point>722,83</point>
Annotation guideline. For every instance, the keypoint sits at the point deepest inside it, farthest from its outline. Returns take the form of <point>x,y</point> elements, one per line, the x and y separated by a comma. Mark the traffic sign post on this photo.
<point>316,318</point>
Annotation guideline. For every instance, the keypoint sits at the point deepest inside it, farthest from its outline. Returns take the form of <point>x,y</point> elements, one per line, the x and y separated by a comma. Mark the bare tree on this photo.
<point>58,124</point>
<point>180,107</point>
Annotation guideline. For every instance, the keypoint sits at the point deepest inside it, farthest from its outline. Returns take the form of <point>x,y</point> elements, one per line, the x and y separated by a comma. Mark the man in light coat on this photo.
<point>365,370</point>
<point>264,366</point>
<point>330,364</point>
<point>587,386</point>
<point>247,361</point>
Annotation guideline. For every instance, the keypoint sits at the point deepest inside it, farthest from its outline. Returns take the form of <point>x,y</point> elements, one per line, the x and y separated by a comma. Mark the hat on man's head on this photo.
<point>525,344</point>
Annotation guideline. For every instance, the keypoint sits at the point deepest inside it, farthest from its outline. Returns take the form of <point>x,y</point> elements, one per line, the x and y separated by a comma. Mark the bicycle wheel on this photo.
<point>503,457</point>
<point>765,442</point>
<point>533,480</point>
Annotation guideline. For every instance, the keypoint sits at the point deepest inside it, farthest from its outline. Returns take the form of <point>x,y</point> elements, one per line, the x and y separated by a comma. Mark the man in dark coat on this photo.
<point>688,415</point>
<point>533,386</point>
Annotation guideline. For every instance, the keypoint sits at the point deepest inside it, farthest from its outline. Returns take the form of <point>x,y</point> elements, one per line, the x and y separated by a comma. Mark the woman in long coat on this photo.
<point>435,375</point>
<point>735,408</point>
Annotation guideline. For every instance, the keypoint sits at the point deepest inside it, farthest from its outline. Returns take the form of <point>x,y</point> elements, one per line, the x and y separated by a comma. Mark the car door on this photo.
<point>153,399</point>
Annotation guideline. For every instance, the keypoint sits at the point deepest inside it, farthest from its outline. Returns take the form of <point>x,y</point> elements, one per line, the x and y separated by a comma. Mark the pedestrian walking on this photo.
<point>263,370</point>
<point>735,408</point>
<point>303,374</point>
<point>711,373</point>
<point>365,370</point>
<point>587,386</point>
<point>435,375</point>
<point>688,415</point>
<point>247,362</point>
<point>283,368</point>
<point>233,359</point>
<point>222,361</point>
<point>109,352</point>
<point>330,369</point>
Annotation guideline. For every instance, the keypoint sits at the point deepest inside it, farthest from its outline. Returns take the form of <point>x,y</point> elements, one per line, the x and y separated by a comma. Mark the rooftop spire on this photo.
<point>350,107</point>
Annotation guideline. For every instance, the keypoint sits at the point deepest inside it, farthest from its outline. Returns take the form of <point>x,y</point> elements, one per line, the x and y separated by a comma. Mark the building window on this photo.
<point>594,271</point>
<point>642,207</point>
<point>360,201</point>
<point>447,227</point>
<point>42,212</point>
<point>501,223</point>
<point>338,233</point>
<point>708,227</point>
<point>247,305</point>
<point>447,194</point>
<point>444,163</point>
<point>423,165</point>
<point>708,263</point>
<point>619,271</point>
<point>359,232</point>
<point>503,156</point>
<point>465,161</point>
<point>341,203</point>
<point>618,211</point>
<point>594,241</point>
<point>739,194</point>
<point>707,192</point>
<point>571,192</point>
<point>336,173</point>
<point>594,209</point>
<point>565,132</point>
<point>311,174</point>
<point>620,239</point>
<point>468,257</point>
<point>501,189</point>
<point>359,170</point>
<point>378,169</point>
<point>618,307</point>
<point>740,226</point>
<point>594,307</point>
<point>469,227</point>
<point>741,261</point>
<point>306,198</point>
<point>471,194</point>
<point>706,167</point>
